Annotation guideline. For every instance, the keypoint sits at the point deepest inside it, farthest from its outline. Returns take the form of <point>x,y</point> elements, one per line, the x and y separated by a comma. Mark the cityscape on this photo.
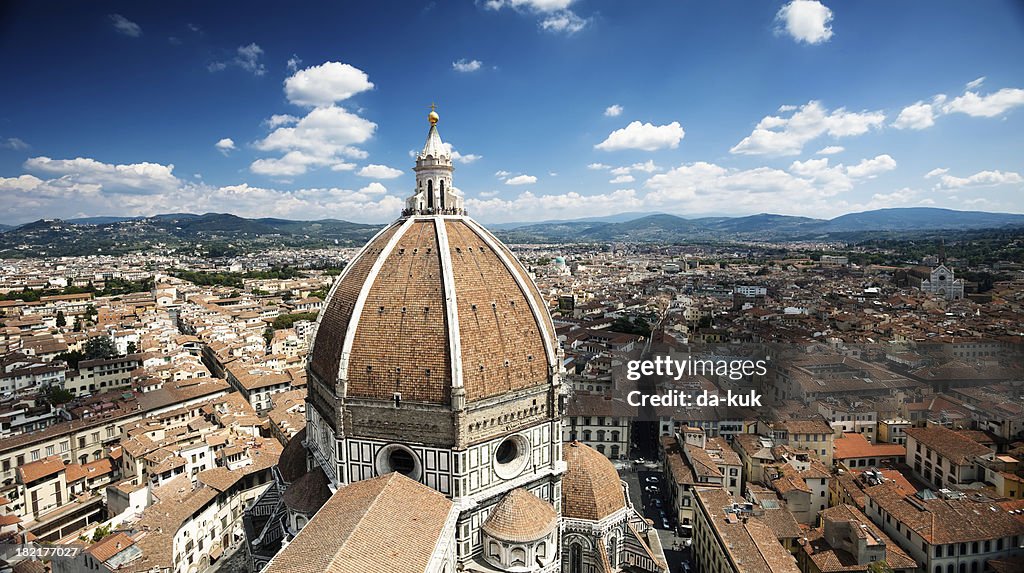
<point>663,337</point>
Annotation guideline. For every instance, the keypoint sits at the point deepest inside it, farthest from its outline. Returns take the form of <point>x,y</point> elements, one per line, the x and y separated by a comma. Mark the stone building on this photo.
<point>433,436</point>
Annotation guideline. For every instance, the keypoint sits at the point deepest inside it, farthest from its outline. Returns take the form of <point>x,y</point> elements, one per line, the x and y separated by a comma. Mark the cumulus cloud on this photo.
<point>775,135</point>
<point>614,110</point>
<point>979,179</point>
<point>326,84</point>
<point>375,171</point>
<point>831,150</point>
<point>990,105</point>
<point>598,166</point>
<point>622,179</point>
<point>144,178</point>
<point>225,145</point>
<point>87,187</point>
<point>565,21</point>
<point>917,116</point>
<point>644,136</point>
<point>125,26</point>
<point>521,180</point>
<point>805,21</point>
<point>555,15</point>
<point>466,66</point>
<point>529,206</point>
<point>323,137</point>
<point>279,119</point>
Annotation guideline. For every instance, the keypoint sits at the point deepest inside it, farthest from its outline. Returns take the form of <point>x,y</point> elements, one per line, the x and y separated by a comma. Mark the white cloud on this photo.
<point>831,150</point>
<point>343,166</point>
<point>917,116</point>
<point>536,5</point>
<point>521,180</point>
<point>598,166</point>
<point>464,158</point>
<point>528,206</point>
<point>991,105</point>
<point>614,110</point>
<point>805,20</point>
<point>488,193</point>
<point>86,187</point>
<point>375,171</point>
<point>125,26</point>
<point>319,139</point>
<point>979,179</point>
<point>565,21</point>
<point>293,63</point>
<point>841,178</point>
<point>645,167</point>
<point>326,84</point>
<point>644,136</point>
<point>374,188</point>
<point>140,178</point>
<point>279,119</point>
<point>14,143</point>
<point>776,135</point>
<point>225,145</point>
<point>466,66</point>
<point>248,59</point>
<point>501,174</point>
<point>623,179</point>
<point>869,168</point>
<point>975,83</point>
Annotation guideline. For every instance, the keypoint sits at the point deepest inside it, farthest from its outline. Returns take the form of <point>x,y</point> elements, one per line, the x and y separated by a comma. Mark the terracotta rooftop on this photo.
<point>369,526</point>
<point>855,445</point>
<point>39,469</point>
<point>591,488</point>
<point>521,516</point>
<point>948,444</point>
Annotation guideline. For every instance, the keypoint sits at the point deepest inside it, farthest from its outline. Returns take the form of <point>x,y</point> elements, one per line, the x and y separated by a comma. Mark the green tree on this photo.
<point>98,347</point>
<point>100,533</point>
<point>61,321</point>
<point>57,395</point>
<point>132,348</point>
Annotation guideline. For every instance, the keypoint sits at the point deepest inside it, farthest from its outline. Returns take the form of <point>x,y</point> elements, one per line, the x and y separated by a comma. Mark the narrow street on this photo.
<point>647,495</point>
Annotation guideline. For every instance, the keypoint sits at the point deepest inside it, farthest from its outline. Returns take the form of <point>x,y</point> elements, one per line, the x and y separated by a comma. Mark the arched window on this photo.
<point>950,568</point>
<point>442,194</point>
<point>495,550</point>
<point>518,557</point>
<point>615,451</point>
<point>600,448</point>
<point>430,194</point>
<point>613,554</point>
<point>600,435</point>
<point>542,550</point>
<point>586,435</point>
<point>576,558</point>
<point>615,436</point>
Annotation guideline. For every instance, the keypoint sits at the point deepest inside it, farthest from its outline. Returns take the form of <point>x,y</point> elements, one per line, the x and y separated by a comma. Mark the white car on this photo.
<point>651,479</point>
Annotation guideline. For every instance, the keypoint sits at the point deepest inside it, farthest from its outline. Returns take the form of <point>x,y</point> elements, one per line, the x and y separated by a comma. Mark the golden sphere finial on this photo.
<point>433,117</point>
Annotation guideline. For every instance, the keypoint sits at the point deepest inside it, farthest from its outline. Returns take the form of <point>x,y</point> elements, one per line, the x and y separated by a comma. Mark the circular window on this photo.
<point>942,277</point>
<point>398,458</point>
<point>511,456</point>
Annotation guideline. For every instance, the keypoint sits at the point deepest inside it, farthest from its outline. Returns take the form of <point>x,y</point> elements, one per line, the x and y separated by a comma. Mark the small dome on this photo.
<point>591,488</point>
<point>308,493</point>
<point>292,463</point>
<point>521,517</point>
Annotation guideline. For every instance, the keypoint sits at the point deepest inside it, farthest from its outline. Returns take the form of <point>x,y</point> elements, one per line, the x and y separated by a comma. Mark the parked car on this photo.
<point>651,479</point>
<point>664,523</point>
<point>652,489</point>
<point>657,502</point>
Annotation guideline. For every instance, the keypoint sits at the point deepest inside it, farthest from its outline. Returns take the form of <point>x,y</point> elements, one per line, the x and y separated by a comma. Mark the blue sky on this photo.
<point>556,108</point>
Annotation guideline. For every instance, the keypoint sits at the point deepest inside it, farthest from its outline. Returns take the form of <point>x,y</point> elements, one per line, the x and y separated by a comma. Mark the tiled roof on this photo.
<point>521,516</point>
<point>591,488</point>
<point>855,445</point>
<point>502,343</point>
<point>38,469</point>
<point>389,524</point>
<point>948,444</point>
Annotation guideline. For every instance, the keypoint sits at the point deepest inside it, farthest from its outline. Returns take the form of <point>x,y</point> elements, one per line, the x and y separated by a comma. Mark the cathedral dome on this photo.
<point>431,304</point>
<point>292,463</point>
<point>521,517</point>
<point>591,488</point>
<point>434,309</point>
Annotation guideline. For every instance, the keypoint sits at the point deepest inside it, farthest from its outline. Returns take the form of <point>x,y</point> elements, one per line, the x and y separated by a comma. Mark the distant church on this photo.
<point>942,281</point>
<point>433,436</point>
